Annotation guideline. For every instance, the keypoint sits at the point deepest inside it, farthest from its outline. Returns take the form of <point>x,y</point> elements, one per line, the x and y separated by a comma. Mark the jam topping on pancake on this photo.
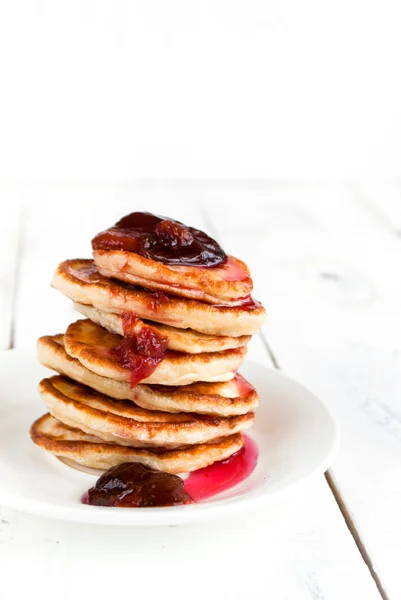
<point>161,239</point>
<point>141,349</point>
<point>135,485</point>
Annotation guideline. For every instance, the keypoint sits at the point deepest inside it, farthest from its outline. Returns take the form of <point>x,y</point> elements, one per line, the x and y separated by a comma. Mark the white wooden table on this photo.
<point>325,261</point>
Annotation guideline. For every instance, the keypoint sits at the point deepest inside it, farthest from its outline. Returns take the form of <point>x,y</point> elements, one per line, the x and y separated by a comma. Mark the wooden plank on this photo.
<point>294,547</point>
<point>327,272</point>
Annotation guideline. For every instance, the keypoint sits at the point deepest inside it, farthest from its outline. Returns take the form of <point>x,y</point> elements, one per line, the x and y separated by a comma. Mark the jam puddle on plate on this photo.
<point>224,474</point>
<point>135,485</point>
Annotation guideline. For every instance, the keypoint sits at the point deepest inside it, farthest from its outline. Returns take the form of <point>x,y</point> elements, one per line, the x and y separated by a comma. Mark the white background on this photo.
<point>116,90</point>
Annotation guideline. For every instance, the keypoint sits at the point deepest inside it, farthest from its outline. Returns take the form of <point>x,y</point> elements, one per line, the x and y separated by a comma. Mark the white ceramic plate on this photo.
<point>295,433</point>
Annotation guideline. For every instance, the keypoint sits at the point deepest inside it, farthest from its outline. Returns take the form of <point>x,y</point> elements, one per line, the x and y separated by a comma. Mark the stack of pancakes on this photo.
<point>178,413</point>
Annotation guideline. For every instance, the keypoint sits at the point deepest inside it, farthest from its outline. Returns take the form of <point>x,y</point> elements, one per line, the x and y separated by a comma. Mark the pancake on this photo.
<point>91,451</point>
<point>122,422</point>
<point>230,398</point>
<point>226,284</point>
<point>180,340</point>
<point>93,346</point>
<point>79,280</point>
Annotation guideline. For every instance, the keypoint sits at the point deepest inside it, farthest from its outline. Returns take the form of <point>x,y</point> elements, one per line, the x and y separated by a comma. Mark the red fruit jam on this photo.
<point>142,352</point>
<point>224,474</point>
<point>135,485</point>
<point>157,299</point>
<point>161,239</point>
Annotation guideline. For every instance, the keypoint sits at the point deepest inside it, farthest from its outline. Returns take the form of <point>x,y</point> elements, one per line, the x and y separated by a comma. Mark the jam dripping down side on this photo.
<point>141,349</point>
<point>243,386</point>
<point>161,239</point>
<point>250,304</point>
<point>135,485</point>
<point>131,323</point>
<point>232,270</point>
<point>247,303</point>
<point>224,474</point>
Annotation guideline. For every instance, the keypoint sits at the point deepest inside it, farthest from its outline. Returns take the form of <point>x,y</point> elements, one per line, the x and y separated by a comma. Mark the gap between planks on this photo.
<point>17,273</point>
<point>350,523</point>
<point>381,219</point>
